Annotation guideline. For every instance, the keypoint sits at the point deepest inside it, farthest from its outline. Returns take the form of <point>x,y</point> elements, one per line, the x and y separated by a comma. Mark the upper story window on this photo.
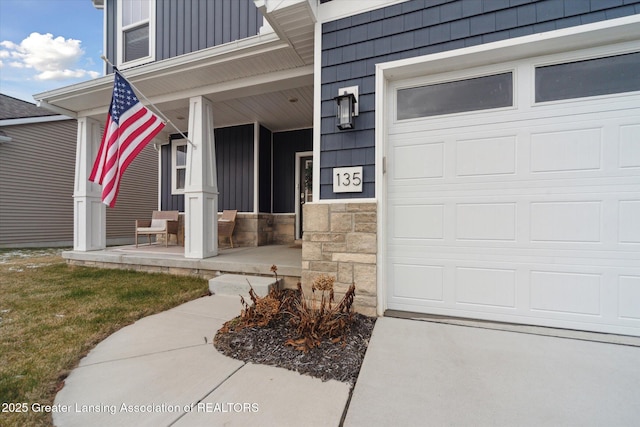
<point>136,30</point>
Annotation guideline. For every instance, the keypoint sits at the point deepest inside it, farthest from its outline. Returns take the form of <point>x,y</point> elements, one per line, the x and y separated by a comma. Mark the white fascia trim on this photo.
<point>266,82</point>
<point>574,38</point>
<point>63,111</point>
<point>217,54</point>
<point>340,9</point>
<point>556,41</point>
<point>32,120</point>
<point>268,6</point>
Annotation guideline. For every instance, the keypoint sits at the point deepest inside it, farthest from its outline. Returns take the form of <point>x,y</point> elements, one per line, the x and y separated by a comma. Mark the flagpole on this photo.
<point>105,59</point>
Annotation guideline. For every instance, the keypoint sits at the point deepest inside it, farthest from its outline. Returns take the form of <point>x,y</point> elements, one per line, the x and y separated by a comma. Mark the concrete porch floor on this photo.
<point>252,261</point>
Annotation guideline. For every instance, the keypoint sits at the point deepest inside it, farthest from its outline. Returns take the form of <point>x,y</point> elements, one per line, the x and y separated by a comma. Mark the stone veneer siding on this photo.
<point>261,230</point>
<point>340,240</point>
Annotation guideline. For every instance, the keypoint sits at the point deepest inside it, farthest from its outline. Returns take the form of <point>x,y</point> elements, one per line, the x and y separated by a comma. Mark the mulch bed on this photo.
<point>339,361</point>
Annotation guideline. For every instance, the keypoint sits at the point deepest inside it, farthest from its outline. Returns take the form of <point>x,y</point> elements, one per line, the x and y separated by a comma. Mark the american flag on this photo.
<point>129,128</point>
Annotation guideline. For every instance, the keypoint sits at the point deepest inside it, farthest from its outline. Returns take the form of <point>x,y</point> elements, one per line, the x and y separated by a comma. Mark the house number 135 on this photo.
<point>347,180</point>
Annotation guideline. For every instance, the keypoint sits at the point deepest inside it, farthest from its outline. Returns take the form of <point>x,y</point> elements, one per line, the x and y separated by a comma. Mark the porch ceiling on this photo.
<point>259,79</point>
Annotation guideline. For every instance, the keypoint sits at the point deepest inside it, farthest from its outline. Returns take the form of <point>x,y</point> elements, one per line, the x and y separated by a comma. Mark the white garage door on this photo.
<point>513,193</point>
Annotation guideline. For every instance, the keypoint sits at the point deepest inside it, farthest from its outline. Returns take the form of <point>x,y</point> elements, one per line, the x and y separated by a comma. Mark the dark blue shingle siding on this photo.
<point>352,46</point>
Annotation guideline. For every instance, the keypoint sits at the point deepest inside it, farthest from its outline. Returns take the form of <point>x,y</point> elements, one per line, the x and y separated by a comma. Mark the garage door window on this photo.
<point>480,93</point>
<point>601,76</point>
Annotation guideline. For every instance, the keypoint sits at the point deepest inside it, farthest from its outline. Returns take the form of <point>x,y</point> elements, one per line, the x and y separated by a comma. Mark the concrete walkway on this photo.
<point>148,373</point>
<point>161,372</point>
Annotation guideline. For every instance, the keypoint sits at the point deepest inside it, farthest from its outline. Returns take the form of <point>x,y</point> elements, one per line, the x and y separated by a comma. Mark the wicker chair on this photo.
<point>161,222</point>
<point>226,224</point>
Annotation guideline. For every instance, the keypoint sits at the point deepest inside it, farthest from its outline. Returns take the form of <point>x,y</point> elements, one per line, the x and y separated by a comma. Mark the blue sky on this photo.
<point>48,44</point>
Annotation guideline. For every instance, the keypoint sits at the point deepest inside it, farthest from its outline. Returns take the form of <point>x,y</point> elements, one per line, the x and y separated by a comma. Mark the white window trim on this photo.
<point>120,38</point>
<point>174,168</point>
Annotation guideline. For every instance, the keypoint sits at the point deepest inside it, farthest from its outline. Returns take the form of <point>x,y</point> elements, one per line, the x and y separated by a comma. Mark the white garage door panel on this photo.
<point>528,216</point>
<point>576,297</point>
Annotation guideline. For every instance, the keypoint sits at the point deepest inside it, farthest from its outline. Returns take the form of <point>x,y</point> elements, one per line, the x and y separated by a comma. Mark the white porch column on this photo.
<point>201,186</point>
<point>89,213</point>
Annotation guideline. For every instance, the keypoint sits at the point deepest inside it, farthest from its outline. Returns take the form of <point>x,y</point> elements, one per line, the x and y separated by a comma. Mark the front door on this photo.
<point>304,187</point>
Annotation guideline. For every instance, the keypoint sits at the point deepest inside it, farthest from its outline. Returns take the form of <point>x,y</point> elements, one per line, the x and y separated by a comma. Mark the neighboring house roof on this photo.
<point>13,108</point>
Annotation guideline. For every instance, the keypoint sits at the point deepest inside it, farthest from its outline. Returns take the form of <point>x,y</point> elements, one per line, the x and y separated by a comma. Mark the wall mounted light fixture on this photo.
<point>347,101</point>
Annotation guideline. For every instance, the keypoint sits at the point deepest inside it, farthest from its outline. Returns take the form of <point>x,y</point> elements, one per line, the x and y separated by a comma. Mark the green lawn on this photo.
<point>52,314</point>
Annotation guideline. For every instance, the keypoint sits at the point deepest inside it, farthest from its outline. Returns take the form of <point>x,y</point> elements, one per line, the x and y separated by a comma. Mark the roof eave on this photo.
<point>207,57</point>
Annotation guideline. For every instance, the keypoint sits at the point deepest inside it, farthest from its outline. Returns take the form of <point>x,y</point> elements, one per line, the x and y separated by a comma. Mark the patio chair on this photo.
<point>226,224</point>
<point>161,222</point>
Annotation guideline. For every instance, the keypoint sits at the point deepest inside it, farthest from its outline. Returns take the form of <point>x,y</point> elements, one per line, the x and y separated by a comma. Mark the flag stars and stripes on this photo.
<point>129,128</point>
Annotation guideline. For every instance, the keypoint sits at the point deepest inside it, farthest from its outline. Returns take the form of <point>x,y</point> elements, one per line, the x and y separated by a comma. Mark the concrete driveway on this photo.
<point>419,373</point>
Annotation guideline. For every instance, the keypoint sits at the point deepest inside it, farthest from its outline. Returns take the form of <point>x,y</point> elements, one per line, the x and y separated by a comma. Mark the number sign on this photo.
<point>347,180</point>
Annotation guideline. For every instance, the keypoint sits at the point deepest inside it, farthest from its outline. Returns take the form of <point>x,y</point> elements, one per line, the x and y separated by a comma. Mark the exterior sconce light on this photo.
<point>347,100</point>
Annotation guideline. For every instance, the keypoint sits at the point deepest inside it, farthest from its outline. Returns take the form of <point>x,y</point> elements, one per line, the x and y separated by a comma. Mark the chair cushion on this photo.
<point>159,223</point>
<point>150,230</point>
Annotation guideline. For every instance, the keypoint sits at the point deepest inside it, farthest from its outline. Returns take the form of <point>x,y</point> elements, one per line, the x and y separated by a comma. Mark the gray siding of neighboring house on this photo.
<point>36,188</point>
<point>36,184</point>
<point>235,171</point>
<point>352,46</point>
<point>184,26</point>
<point>137,198</point>
<point>285,147</point>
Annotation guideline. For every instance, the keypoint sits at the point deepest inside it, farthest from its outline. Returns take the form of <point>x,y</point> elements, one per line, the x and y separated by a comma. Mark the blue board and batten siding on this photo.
<point>285,146</point>
<point>235,171</point>
<point>352,46</point>
<point>184,26</point>
<point>264,170</point>
<point>234,162</point>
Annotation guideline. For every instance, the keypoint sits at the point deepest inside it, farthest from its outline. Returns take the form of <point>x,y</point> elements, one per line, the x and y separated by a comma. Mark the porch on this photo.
<point>156,258</point>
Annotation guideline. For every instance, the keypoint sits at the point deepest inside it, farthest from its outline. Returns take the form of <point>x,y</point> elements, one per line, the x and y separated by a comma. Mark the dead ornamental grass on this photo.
<point>314,336</point>
<point>52,314</point>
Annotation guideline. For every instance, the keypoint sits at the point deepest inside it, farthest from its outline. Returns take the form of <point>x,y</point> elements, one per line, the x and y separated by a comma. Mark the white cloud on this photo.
<point>66,74</point>
<point>51,58</point>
